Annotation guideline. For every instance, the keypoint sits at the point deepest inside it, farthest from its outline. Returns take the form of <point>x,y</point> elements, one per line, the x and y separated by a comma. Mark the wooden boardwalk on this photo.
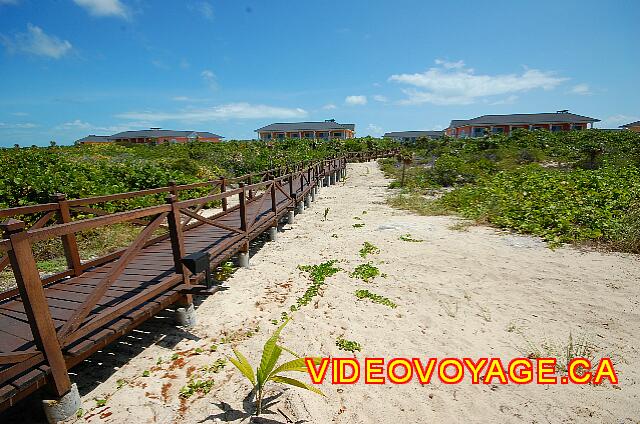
<point>49,324</point>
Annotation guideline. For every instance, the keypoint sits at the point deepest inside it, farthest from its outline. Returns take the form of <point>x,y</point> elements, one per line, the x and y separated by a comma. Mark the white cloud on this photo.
<point>329,106</point>
<point>581,89</point>
<point>380,98</point>
<point>36,42</point>
<point>374,130</point>
<point>452,83</point>
<point>506,101</point>
<point>204,8</point>
<point>616,120</point>
<point>356,100</point>
<point>209,78</point>
<point>450,65</point>
<point>227,111</point>
<point>104,7</point>
<point>20,126</point>
<point>77,125</point>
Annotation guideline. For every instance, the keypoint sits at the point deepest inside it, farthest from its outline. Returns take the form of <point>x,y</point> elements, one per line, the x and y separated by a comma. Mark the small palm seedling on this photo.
<point>326,212</point>
<point>358,225</point>
<point>365,272</point>
<point>407,237</point>
<point>348,345</point>
<point>368,249</point>
<point>375,298</point>
<point>267,370</point>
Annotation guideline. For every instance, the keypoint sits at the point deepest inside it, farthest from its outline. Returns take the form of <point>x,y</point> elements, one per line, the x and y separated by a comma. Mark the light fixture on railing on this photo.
<point>199,262</point>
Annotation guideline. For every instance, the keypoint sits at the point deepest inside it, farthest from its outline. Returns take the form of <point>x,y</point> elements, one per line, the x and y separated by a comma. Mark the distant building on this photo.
<point>504,124</point>
<point>152,136</point>
<point>94,139</point>
<point>326,130</point>
<point>407,136</point>
<point>633,126</point>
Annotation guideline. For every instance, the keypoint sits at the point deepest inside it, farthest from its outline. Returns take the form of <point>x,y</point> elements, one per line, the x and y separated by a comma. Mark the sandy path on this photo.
<point>473,293</point>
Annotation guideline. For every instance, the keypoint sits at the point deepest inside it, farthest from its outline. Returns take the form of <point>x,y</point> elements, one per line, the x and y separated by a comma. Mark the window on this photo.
<point>538,127</point>
<point>295,135</point>
<point>266,136</point>
<point>577,127</point>
<point>323,135</point>
<point>337,134</point>
<point>497,130</point>
<point>308,135</point>
<point>478,132</point>
<point>280,136</point>
<point>556,128</point>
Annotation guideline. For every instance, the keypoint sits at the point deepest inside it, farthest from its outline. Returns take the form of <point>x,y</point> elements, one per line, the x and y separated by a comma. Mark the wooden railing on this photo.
<point>175,215</point>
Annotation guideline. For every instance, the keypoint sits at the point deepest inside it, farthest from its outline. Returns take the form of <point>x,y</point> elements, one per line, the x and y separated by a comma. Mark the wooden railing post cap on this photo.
<point>11,225</point>
<point>58,197</point>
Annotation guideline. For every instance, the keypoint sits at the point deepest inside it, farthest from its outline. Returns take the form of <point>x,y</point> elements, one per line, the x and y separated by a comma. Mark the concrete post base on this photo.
<point>327,181</point>
<point>243,259</point>
<point>186,317</point>
<point>313,195</point>
<point>291,217</point>
<point>307,201</point>
<point>332,178</point>
<point>63,408</point>
<point>300,207</point>
<point>273,233</point>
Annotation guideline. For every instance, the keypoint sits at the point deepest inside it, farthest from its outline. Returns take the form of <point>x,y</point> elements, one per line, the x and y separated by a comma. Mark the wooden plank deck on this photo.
<point>151,273</point>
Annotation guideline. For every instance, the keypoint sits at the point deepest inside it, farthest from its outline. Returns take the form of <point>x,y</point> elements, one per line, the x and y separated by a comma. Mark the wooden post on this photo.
<point>250,190</point>
<point>69,242</point>
<point>292,193</point>
<point>243,209</point>
<point>243,218</point>
<point>223,188</point>
<point>173,189</point>
<point>35,303</point>
<point>177,246</point>
<point>274,202</point>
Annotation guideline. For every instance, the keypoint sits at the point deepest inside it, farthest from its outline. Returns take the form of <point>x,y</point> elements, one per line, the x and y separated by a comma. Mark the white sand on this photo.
<point>468,293</point>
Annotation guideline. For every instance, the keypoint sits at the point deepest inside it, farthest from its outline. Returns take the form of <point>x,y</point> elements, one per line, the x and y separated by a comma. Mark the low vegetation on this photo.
<point>570,187</point>
<point>368,249</point>
<point>366,272</point>
<point>348,345</point>
<point>375,298</point>
<point>317,274</point>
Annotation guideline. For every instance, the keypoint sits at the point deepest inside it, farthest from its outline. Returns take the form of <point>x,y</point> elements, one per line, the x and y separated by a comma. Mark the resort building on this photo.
<point>408,136</point>
<point>326,130</point>
<point>152,136</point>
<point>562,120</point>
<point>633,126</point>
<point>94,139</point>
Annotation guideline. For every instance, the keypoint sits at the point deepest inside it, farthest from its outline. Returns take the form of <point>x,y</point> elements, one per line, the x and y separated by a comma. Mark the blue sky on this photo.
<point>69,68</point>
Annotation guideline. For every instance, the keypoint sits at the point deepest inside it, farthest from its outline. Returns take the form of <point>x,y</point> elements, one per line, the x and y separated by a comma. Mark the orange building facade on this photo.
<point>505,124</point>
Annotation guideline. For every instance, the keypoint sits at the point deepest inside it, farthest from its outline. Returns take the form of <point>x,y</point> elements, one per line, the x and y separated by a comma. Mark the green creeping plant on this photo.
<point>348,345</point>
<point>407,237</point>
<point>375,298</point>
<point>365,272</point>
<point>267,370</point>
<point>368,249</point>
<point>359,225</point>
